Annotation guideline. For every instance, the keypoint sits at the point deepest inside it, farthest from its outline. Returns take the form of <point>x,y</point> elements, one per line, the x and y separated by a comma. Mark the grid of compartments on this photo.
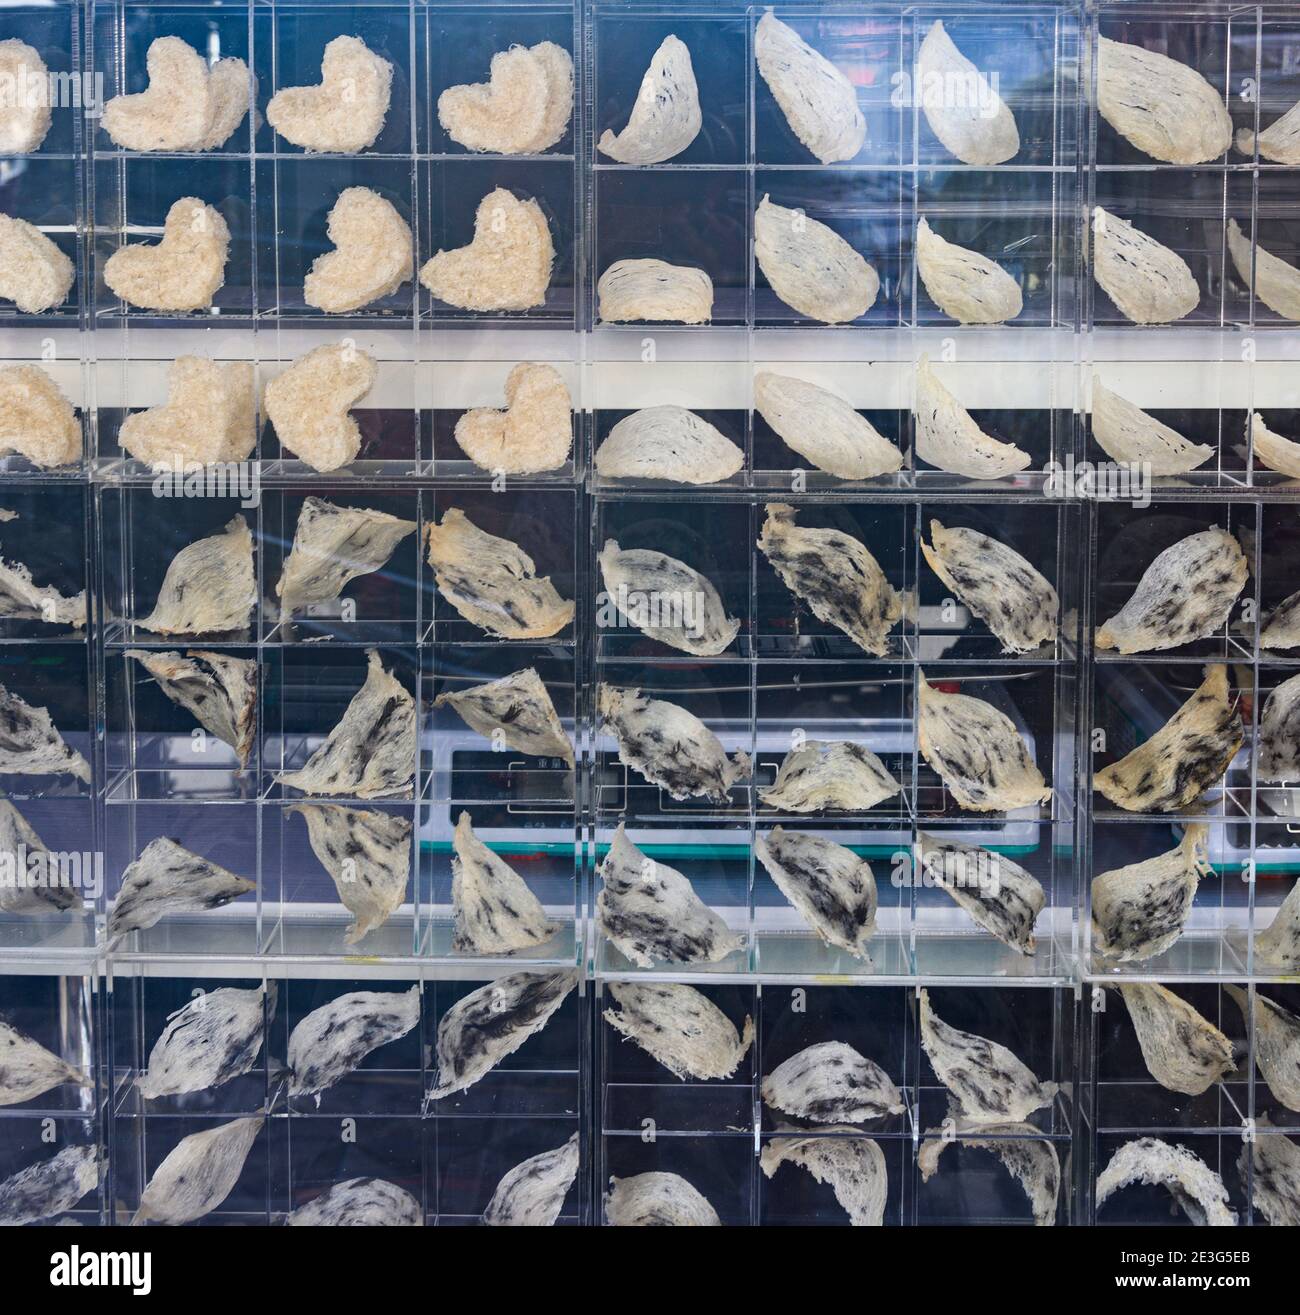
<point>1223,832</point>
<point>791,677</point>
<point>586,1091</point>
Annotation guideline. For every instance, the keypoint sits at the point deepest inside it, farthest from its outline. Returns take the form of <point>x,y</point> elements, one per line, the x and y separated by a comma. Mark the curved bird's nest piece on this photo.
<point>1278,944</point>
<point>657,1200</point>
<point>198,1173</point>
<point>345,112</point>
<point>811,267</point>
<point>184,271</point>
<point>209,586</point>
<point>332,546</point>
<point>1195,1187</point>
<point>1276,1045</point>
<point>309,403</point>
<point>30,744</point>
<point>833,890</point>
<point>1279,142</point>
<point>492,582</point>
<point>656,291</point>
<point>507,266</point>
<point>665,116</point>
<point>1274,282</point>
<point>1272,450</point>
<point>819,102</point>
<point>493,909</point>
<point>668,745</point>
<point>359,1203</point>
<point>978,752</point>
<point>829,776</point>
<point>490,1024</point>
<point>219,691</point>
<point>23,600</point>
<point>830,1082</point>
<point>1187,593</point>
<point>1181,1049</point>
<point>39,886</point>
<point>1184,758</point>
<point>30,1070</point>
<point>975,126</point>
<point>367,854</point>
<point>371,753</point>
<point>210,416</point>
<point>999,895</point>
<point>35,274</point>
<point>680,1028</point>
<point>168,878</point>
<point>823,428</point>
<point>1139,911</point>
<point>1028,1156</point>
<point>670,443</point>
<point>214,1039</point>
<point>523,109</point>
<point>372,254</point>
<point>1165,109</point>
<point>666,600</point>
<point>49,1187</point>
<point>516,711</point>
<point>36,420</point>
<point>997,584</point>
<point>853,1167</point>
<point>948,437</point>
<point>651,913</point>
<point>531,1195</point>
<point>988,1082</point>
<point>1281,627</point>
<point>835,575</point>
<point>1149,283</point>
<point>966,286</point>
<point>1278,741</point>
<point>535,431</point>
<point>1269,1167</point>
<point>330,1042</point>
<point>1124,432</point>
<point>187,106</point>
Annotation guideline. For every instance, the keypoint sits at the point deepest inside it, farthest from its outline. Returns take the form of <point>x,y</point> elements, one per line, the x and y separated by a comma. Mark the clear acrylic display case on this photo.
<point>380,1120</point>
<point>101,1001</point>
<point>725,1137</point>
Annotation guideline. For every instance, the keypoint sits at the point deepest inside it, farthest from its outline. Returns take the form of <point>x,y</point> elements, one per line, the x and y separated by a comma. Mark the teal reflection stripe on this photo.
<point>445,847</point>
<point>743,851</point>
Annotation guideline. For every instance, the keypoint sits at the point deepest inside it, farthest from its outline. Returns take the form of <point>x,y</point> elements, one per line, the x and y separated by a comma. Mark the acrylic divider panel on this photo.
<point>53,1115</point>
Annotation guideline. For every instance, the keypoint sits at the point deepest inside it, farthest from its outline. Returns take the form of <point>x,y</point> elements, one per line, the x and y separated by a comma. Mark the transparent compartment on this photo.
<point>227,836</point>
<point>292,233</point>
<point>291,39</point>
<point>378,606</point>
<point>61,1115</point>
<point>455,42</point>
<point>542,522</point>
<point>471,372</point>
<point>132,197</point>
<point>375,1120</point>
<point>119,34</point>
<point>623,42</point>
<point>387,416</point>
